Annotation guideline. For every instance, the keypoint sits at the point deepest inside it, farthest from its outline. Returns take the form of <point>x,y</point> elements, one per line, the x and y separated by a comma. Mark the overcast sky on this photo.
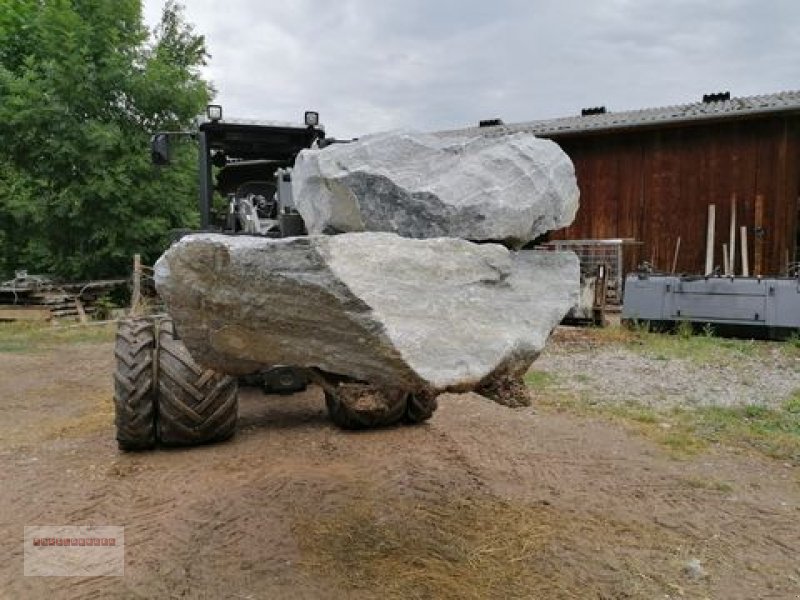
<point>370,65</point>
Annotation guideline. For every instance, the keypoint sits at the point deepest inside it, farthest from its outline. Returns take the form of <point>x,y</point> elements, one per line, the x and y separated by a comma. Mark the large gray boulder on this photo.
<point>510,188</point>
<point>436,314</point>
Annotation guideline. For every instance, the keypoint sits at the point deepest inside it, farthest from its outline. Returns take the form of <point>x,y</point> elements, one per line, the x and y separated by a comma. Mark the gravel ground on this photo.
<point>763,373</point>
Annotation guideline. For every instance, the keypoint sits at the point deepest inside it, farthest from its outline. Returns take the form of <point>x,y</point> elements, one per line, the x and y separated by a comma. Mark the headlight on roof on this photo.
<point>214,112</point>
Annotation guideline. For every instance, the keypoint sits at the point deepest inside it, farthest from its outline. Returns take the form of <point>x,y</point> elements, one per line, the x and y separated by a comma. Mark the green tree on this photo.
<point>83,84</point>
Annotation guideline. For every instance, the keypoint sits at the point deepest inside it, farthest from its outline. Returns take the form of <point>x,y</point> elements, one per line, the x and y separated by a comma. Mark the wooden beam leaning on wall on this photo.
<point>745,258</point>
<point>712,209</point>
<point>732,239</point>
<point>758,237</point>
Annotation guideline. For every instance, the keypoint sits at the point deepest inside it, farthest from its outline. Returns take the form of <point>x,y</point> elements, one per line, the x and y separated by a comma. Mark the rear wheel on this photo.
<point>195,405</point>
<point>364,406</point>
<point>134,389</point>
<point>419,407</point>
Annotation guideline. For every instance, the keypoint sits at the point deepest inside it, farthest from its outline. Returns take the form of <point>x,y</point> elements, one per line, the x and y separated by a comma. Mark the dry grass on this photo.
<point>97,414</point>
<point>471,548</point>
<point>36,337</point>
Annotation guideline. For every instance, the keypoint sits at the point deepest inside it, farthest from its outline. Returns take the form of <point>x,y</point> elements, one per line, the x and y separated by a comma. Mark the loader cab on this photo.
<point>246,162</point>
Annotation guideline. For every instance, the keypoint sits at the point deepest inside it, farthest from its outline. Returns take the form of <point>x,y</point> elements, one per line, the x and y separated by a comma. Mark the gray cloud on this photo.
<point>368,65</point>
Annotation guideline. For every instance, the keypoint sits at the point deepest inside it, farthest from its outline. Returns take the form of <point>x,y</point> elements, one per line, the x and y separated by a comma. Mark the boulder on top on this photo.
<point>509,188</point>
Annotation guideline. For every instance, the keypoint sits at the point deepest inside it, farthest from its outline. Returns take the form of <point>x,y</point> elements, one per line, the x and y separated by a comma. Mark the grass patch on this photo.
<point>35,337</point>
<point>791,347</point>
<point>539,380</point>
<point>458,547</point>
<point>685,343</point>
<point>711,485</point>
<point>696,348</point>
<point>774,432</point>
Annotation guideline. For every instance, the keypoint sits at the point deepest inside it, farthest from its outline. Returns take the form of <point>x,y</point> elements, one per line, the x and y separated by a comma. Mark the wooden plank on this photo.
<point>677,252</point>
<point>710,239</point>
<point>745,258</point>
<point>24,313</point>
<point>758,243</point>
<point>726,260</point>
<point>732,238</point>
<point>81,312</point>
<point>137,283</point>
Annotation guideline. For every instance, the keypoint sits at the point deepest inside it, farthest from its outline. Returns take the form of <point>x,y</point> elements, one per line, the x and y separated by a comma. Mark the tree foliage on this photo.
<point>83,84</point>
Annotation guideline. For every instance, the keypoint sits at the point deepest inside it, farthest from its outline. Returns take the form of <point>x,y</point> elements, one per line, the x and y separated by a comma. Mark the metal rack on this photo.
<point>594,254</point>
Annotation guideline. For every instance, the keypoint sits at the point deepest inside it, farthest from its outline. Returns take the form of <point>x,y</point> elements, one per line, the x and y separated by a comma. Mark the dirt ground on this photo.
<point>482,502</point>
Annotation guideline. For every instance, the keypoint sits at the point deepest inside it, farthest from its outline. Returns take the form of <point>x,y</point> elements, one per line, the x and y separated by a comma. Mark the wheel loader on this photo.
<point>162,396</point>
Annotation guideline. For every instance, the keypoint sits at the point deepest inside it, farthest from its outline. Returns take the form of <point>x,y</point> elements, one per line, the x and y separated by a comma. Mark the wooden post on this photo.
<point>726,260</point>
<point>675,258</point>
<point>137,283</point>
<point>710,239</point>
<point>81,312</point>
<point>758,240</point>
<point>732,238</point>
<point>745,260</point>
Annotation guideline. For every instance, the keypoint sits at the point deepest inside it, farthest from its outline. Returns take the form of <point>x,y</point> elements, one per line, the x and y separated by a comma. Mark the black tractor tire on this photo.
<point>419,408</point>
<point>134,388</point>
<point>362,406</point>
<point>195,405</point>
<point>284,380</point>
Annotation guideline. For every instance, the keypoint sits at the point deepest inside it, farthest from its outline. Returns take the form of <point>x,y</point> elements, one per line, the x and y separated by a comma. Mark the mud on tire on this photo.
<point>364,406</point>
<point>134,390</point>
<point>419,407</point>
<point>195,405</point>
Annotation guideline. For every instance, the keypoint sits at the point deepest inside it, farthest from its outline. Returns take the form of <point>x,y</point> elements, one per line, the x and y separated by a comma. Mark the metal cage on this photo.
<point>594,254</point>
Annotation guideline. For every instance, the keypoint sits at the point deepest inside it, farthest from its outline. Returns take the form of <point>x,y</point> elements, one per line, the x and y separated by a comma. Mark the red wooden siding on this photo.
<point>656,185</point>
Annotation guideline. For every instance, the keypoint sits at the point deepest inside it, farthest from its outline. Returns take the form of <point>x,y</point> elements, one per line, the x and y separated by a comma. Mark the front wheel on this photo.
<point>195,405</point>
<point>134,386</point>
<point>161,396</point>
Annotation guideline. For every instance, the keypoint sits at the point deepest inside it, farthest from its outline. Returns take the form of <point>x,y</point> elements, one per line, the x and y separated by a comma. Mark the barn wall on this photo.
<point>656,185</point>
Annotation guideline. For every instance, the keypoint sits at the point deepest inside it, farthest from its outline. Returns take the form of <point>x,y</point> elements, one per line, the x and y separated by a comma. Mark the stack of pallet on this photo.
<point>34,298</point>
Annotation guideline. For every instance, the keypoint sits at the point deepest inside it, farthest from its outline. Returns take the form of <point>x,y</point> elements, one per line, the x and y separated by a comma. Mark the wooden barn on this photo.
<point>651,174</point>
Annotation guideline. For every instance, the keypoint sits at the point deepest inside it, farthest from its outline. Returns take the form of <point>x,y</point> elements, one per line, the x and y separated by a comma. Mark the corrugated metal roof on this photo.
<point>649,117</point>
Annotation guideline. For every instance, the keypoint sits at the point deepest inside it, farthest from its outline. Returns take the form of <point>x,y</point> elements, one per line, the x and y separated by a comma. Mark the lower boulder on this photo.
<point>420,315</point>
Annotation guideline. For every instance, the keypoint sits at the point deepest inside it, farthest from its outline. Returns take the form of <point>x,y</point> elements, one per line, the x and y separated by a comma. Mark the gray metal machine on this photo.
<point>767,306</point>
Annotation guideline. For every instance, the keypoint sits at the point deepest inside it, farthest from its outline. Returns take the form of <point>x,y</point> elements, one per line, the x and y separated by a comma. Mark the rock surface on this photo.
<point>510,188</point>
<point>437,314</point>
